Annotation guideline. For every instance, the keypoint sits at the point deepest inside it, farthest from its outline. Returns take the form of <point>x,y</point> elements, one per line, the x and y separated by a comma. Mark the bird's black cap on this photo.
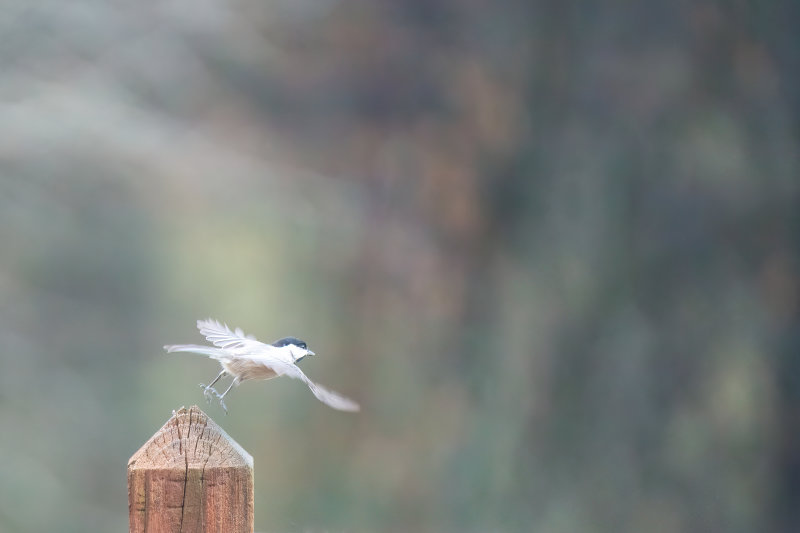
<point>290,340</point>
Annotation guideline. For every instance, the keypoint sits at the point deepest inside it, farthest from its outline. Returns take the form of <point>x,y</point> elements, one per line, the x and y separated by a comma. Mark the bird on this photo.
<point>245,358</point>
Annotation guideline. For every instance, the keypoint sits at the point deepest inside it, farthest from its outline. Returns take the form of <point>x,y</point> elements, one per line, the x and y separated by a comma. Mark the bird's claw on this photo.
<point>210,392</point>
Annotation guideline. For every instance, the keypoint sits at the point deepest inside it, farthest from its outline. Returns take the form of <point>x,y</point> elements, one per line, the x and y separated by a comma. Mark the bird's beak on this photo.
<point>309,352</point>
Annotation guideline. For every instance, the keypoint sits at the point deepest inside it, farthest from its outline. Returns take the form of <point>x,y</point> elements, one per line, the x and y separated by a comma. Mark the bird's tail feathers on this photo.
<point>214,353</point>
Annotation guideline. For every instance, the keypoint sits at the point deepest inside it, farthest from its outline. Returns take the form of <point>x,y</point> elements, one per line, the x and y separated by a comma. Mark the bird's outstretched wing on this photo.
<point>326,396</point>
<point>222,336</point>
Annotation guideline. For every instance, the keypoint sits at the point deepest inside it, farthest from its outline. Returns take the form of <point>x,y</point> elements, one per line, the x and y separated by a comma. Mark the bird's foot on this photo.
<point>209,392</point>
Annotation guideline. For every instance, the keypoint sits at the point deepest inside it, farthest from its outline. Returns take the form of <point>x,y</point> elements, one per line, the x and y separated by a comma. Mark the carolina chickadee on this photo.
<point>245,358</point>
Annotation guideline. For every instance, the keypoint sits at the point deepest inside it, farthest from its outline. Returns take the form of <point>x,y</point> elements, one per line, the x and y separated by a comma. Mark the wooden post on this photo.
<point>190,477</point>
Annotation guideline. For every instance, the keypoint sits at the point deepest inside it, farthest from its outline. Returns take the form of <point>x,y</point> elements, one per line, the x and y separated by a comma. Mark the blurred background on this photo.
<point>551,247</point>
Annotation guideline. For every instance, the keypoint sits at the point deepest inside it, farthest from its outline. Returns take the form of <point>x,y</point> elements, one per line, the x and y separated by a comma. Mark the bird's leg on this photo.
<point>208,390</point>
<point>222,396</point>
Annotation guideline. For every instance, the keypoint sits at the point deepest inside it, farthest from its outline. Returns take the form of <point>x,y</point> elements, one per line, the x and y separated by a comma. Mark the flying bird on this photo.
<point>245,358</point>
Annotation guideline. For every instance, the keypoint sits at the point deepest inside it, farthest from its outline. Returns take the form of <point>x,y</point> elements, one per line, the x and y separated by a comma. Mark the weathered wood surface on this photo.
<point>190,477</point>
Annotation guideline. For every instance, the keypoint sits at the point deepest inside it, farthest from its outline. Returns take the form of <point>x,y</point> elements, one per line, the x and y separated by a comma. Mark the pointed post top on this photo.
<point>190,438</point>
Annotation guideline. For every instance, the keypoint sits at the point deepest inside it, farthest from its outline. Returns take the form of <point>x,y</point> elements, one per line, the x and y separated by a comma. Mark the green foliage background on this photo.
<point>551,247</point>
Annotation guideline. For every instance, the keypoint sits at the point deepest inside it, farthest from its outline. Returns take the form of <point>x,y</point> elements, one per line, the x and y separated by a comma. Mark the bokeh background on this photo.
<point>551,247</point>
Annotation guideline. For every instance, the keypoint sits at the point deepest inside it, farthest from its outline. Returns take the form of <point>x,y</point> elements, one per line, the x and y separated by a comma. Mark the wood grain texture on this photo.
<point>190,477</point>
